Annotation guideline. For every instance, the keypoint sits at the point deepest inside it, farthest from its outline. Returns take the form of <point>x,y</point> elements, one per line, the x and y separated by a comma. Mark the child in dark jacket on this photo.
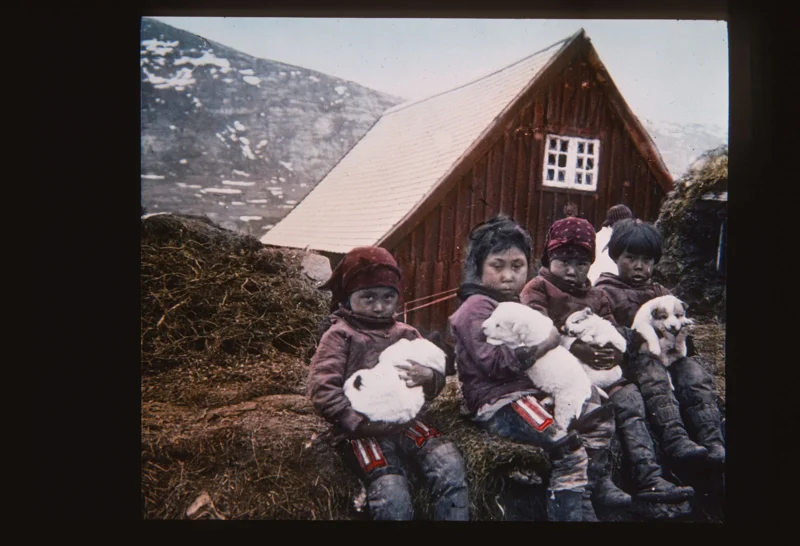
<point>499,396</point>
<point>635,246</point>
<point>562,288</point>
<point>366,286</point>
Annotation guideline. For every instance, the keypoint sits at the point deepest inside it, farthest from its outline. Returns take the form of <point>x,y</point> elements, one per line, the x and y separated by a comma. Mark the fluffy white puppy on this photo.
<point>558,372</point>
<point>663,324</point>
<point>380,394</point>
<point>595,330</point>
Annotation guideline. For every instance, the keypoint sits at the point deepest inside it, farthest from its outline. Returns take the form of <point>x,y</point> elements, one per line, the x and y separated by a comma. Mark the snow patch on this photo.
<point>249,218</point>
<point>247,72</point>
<point>245,140</point>
<point>227,80</point>
<point>179,81</point>
<point>261,144</point>
<point>257,201</point>
<point>268,226</point>
<point>183,162</point>
<point>282,179</point>
<point>248,153</point>
<point>237,203</point>
<point>286,164</point>
<point>239,126</point>
<point>172,127</point>
<point>153,176</point>
<point>237,183</point>
<point>261,114</point>
<point>195,186</point>
<point>291,202</point>
<point>340,89</point>
<point>206,59</point>
<point>221,190</point>
<point>157,47</point>
<point>240,173</point>
<point>252,80</point>
<point>303,185</point>
<point>313,78</point>
<point>181,185</point>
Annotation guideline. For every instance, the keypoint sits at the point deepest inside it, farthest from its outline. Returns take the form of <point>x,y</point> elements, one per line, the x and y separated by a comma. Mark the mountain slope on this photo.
<point>235,137</point>
<point>681,144</point>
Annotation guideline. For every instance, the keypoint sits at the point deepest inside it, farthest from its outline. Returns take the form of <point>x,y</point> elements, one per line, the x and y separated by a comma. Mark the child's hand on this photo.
<point>415,374</point>
<point>599,358</point>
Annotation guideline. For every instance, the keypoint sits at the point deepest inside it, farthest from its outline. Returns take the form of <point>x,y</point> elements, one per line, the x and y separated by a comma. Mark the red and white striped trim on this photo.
<point>368,453</point>
<point>420,432</point>
<point>534,414</point>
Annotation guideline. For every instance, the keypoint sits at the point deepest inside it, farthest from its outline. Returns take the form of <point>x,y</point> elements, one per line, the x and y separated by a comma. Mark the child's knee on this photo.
<point>690,372</point>
<point>443,461</point>
<point>389,498</point>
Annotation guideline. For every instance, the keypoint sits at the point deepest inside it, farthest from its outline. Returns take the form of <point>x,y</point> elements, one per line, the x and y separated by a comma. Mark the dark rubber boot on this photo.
<point>565,505</point>
<point>604,491</point>
<point>635,438</point>
<point>663,410</point>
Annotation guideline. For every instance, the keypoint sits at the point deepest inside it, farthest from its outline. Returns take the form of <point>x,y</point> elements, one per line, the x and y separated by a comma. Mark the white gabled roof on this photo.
<point>401,160</point>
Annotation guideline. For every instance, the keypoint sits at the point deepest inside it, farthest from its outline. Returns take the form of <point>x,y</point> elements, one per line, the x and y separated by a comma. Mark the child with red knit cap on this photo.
<point>366,286</point>
<point>562,288</point>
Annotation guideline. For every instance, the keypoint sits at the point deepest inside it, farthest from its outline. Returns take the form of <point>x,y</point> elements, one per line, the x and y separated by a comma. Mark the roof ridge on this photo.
<point>408,104</point>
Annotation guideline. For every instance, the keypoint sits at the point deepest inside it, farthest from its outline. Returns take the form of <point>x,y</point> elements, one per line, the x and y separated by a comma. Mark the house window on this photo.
<point>571,162</point>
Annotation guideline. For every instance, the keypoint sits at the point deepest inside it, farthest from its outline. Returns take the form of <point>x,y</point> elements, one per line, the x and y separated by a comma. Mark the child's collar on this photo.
<point>363,322</point>
<point>471,289</point>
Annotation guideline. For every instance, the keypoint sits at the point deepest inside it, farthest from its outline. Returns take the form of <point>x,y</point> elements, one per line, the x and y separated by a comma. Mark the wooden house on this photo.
<point>547,136</point>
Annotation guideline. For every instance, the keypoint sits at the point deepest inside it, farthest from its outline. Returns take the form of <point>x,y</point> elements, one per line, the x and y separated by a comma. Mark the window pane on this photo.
<point>550,174</point>
<point>580,147</point>
<point>580,163</point>
<point>564,144</point>
<point>590,151</point>
<point>578,178</point>
<point>562,160</point>
<point>552,144</point>
<point>560,176</point>
<point>589,163</point>
<point>589,179</point>
<point>551,159</point>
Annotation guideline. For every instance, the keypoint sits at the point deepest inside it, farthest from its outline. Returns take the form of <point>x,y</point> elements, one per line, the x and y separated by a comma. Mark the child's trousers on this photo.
<point>381,464</point>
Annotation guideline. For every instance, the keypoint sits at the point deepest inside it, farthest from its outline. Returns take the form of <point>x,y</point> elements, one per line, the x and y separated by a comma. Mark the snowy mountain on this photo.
<point>681,143</point>
<point>235,137</point>
<point>242,139</point>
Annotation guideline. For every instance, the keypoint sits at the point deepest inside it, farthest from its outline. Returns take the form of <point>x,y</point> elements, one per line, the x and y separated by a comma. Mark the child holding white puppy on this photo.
<point>499,395</point>
<point>635,246</point>
<point>561,289</point>
<point>366,286</point>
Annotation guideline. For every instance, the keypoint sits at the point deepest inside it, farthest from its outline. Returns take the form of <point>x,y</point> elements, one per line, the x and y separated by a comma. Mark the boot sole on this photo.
<point>667,498</point>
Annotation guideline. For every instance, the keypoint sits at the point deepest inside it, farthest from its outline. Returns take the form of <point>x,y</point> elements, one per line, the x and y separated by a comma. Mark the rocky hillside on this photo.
<point>237,138</point>
<point>681,144</point>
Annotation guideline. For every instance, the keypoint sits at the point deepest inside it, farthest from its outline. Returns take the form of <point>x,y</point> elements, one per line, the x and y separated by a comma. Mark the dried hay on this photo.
<point>691,236</point>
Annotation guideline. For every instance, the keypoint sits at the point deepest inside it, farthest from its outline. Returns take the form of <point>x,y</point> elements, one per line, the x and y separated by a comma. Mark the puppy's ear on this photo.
<point>589,311</point>
<point>684,304</point>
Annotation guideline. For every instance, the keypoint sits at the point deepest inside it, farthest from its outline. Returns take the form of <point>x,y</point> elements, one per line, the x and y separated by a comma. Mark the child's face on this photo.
<point>505,271</point>
<point>634,268</point>
<point>571,270</point>
<point>378,302</point>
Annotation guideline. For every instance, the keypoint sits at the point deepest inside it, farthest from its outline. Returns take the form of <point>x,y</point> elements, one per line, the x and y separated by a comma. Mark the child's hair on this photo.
<point>636,237</point>
<point>495,235</point>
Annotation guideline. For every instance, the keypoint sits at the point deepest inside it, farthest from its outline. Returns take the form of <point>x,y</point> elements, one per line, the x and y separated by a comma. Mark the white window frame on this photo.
<point>575,171</point>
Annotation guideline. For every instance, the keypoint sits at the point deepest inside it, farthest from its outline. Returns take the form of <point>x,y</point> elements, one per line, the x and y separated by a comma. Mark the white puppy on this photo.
<point>380,393</point>
<point>558,372</point>
<point>663,324</point>
<point>595,330</point>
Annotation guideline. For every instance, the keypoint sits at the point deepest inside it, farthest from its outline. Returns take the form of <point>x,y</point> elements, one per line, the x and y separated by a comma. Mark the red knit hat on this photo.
<point>570,236</point>
<point>363,267</point>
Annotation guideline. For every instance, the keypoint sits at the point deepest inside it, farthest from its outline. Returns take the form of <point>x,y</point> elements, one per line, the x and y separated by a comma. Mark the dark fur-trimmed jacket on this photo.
<point>626,300</point>
<point>486,372</point>
<point>353,343</point>
<point>557,299</point>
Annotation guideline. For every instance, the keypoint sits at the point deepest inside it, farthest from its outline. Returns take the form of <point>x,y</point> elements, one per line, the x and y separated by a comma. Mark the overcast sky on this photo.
<point>666,70</point>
